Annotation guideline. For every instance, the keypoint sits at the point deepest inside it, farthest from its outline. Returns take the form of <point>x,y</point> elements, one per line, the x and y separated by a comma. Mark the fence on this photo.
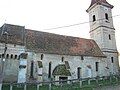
<point>74,84</point>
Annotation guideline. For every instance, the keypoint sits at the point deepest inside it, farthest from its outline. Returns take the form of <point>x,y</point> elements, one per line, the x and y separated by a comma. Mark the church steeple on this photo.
<point>103,32</point>
<point>99,2</point>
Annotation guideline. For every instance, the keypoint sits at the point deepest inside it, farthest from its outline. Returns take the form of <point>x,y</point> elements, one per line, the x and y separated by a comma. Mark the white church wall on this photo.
<point>74,63</point>
<point>11,63</point>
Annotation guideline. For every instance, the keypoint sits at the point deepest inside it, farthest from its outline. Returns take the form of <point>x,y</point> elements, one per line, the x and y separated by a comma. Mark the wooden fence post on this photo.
<point>25,87</point>
<point>38,86</point>
<point>11,87</point>
<point>0,86</point>
<point>50,86</point>
<point>88,81</point>
<point>80,83</point>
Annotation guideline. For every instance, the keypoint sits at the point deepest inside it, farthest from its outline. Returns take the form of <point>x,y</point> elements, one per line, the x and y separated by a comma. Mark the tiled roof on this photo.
<point>15,34</point>
<point>58,44</point>
<point>49,43</point>
<point>102,2</point>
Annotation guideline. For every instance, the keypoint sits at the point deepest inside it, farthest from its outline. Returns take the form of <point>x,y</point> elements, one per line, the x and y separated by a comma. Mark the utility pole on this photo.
<point>3,59</point>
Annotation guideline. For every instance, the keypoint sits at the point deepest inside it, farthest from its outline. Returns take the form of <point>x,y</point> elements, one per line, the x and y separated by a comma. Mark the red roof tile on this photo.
<point>58,44</point>
<point>51,43</point>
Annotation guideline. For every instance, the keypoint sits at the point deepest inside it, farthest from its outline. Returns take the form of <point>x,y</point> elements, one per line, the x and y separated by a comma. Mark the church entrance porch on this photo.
<point>63,79</point>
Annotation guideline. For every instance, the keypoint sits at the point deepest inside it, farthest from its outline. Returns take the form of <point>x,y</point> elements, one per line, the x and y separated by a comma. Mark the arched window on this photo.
<point>2,55</point>
<point>112,59</point>
<point>49,70</point>
<point>62,59</point>
<point>11,56</point>
<point>7,56</point>
<point>79,72</point>
<point>94,18</point>
<point>15,56</point>
<point>31,69</point>
<point>109,37</point>
<point>42,56</point>
<point>106,16</point>
<point>82,58</point>
<point>97,66</point>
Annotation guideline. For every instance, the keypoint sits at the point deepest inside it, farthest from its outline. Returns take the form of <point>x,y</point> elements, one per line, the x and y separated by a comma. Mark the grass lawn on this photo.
<point>65,86</point>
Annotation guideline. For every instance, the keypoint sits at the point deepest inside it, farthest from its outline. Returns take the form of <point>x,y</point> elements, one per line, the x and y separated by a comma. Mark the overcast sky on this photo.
<point>46,14</point>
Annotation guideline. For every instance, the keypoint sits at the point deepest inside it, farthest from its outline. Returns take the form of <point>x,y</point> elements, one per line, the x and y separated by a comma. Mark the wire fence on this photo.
<point>74,84</point>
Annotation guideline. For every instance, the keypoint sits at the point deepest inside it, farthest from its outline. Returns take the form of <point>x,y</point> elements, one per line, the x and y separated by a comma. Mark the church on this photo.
<point>32,56</point>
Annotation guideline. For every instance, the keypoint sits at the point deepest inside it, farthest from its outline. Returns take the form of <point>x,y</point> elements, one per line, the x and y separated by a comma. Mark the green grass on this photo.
<point>65,86</point>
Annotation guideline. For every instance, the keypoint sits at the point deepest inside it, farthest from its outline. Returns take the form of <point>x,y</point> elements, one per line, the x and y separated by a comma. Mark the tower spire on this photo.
<point>99,2</point>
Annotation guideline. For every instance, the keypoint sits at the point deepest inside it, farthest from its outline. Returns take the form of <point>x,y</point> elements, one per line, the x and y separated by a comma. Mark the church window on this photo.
<point>62,59</point>
<point>106,16</point>
<point>11,56</point>
<point>96,65</point>
<point>49,71</point>
<point>82,58</point>
<point>14,45</point>
<point>15,56</point>
<point>109,37</point>
<point>31,69</point>
<point>112,59</point>
<point>2,55</point>
<point>7,56</point>
<point>42,56</point>
<point>78,72</point>
<point>94,18</point>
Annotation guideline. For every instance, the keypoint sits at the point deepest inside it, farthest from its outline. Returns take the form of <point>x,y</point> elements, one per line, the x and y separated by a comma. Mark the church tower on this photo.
<point>103,32</point>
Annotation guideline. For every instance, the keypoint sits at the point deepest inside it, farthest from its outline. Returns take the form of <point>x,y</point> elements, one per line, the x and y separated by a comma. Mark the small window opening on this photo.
<point>78,72</point>
<point>106,16</point>
<point>96,64</point>
<point>112,59</point>
<point>109,37</point>
<point>42,56</point>
<point>49,72</point>
<point>31,69</point>
<point>15,56</point>
<point>82,58</point>
<point>7,56</point>
<point>94,18</point>
<point>62,59</point>
<point>2,55</point>
<point>11,56</point>
<point>14,45</point>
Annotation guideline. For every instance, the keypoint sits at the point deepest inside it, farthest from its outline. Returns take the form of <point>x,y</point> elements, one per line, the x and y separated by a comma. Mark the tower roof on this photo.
<point>100,2</point>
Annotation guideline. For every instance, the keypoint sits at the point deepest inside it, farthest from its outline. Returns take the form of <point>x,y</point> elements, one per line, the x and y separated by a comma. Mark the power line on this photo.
<point>80,23</point>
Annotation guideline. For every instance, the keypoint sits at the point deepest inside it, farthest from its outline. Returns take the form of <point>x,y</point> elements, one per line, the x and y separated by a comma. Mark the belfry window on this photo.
<point>15,56</point>
<point>106,16</point>
<point>11,56</point>
<point>94,18</point>
<point>109,37</point>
